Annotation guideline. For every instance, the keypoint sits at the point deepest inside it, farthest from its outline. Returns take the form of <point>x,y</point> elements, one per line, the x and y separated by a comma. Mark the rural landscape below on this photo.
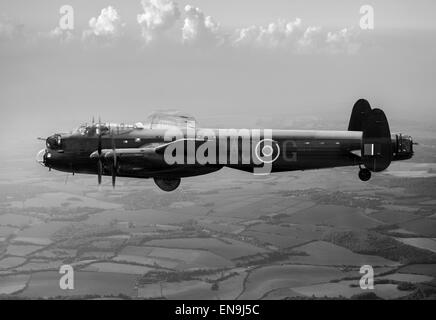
<point>228,235</point>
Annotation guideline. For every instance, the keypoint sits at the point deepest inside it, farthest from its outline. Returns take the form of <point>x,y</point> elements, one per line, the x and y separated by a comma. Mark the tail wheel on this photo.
<point>364,174</point>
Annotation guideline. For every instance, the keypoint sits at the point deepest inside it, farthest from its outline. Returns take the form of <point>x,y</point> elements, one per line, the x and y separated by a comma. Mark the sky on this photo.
<point>398,14</point>
<point>241,59</point>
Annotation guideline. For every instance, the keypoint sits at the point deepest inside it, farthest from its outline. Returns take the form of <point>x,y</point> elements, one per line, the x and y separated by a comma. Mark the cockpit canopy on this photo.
<point>156,120</point>
<point>105,128</point>
<point>169,119</point>
<point>91,130</point>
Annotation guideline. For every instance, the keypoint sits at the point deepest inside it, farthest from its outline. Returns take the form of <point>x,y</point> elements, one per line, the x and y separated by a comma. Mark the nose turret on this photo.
<point>41,157</point>
<point>54,142</point>
<point>50,156</point>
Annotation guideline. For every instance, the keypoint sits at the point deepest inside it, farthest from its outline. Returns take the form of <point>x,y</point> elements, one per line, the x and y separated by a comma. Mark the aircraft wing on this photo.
<point>127,152</point>
<point>149,151</point>
<point>161,148</point>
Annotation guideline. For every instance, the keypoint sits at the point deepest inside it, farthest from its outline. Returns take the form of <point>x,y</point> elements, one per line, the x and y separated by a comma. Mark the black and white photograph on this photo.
<point>232,150</point>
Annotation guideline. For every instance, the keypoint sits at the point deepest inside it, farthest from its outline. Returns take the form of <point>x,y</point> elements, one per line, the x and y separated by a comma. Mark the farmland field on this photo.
<point>393,216</point>
<point>58,199</point>
<point>425,227</point>
<point>15,220</point>
<point>172,258</point>
<point>11,262</point>
<point>22,250</point>
<point>423,243</point>
<point>333,290</point>
<point>139,217</point>
<point>93,283</point>
<point>349,288</point>
<point>324,253</point>
<point>333,215</point>
<point>263,280</point>
<point>190,290</point>
<point>7,231</point>
<point>41,233</point>
<point>13,284</point>
<point>424,269</point>
<point>117,268</point>
<point>227,248</point>
<point>404,277</point>
<point>274,239</point>
<point>187,258</point>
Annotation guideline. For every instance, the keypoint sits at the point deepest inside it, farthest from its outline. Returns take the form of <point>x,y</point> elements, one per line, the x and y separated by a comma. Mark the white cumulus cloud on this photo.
<point>107,25</point>
<point>162,20</point>
<point>200,29</point>
<point>344,40</point>
<point>295,37</point>
<point>158,17</point>
<point>312,40</point>
<point>275,35</point>
<point>64,36</point>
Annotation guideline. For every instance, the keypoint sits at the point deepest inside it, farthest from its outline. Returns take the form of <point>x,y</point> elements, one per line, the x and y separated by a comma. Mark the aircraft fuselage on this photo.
<point>299,150</point>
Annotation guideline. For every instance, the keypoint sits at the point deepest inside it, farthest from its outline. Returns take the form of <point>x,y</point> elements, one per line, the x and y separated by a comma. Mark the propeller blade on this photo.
<point>114,176</point>
<point>99,170</point>
<point>114,166</point>
<point>99,150</point>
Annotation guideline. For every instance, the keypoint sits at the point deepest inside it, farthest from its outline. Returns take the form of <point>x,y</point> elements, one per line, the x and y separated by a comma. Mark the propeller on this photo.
<point>99,149</point>
<point>114,165</point>
<point>99,156</point>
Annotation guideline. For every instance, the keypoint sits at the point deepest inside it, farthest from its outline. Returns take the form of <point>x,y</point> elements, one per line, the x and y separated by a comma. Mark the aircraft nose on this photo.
<point>41,157</point>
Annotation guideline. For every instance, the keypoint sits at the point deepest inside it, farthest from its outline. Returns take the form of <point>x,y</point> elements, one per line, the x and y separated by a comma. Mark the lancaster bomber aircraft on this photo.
<point>169,147</point>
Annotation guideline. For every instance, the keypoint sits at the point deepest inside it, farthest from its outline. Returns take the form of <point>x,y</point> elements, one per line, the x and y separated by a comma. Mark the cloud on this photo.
<point>64,36</point>
<point>107,25</point>
<point>162,20</point>
<point>9,29</point>
<point>294,36</point>
<point>312,40</point>
<point>278,34</point>
<point>200,29</point>
<point>344,40</point>
<point>158,17</point>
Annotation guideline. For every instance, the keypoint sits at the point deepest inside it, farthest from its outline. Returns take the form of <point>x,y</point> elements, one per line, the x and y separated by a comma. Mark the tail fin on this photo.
<point>376,141</point>
<point>360,112</point>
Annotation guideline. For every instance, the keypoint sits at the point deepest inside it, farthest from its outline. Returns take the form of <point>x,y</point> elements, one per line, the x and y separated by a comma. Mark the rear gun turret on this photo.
<point>402,146</point>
